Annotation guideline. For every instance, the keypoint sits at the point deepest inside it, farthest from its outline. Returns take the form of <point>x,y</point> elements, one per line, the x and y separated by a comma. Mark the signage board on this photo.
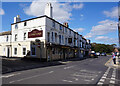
<point>35,33</point>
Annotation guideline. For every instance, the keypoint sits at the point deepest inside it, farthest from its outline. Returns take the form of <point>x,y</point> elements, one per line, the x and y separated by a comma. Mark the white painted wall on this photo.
<point>38,24</point>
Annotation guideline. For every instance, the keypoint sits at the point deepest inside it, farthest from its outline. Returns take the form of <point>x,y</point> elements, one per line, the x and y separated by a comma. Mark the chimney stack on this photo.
<point>66,24</point>
<point>17,19</point>
<point>48,10</point>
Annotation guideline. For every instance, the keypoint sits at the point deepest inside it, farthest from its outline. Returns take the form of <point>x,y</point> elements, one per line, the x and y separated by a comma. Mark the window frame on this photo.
<point>24,38</point>
<point>15,51</point>
<point>7,38</point>
<point>15,37</point>
<point>23,50</point>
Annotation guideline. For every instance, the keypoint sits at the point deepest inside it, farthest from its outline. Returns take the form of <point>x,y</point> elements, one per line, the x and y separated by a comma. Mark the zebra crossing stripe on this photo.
<point>112,81</point>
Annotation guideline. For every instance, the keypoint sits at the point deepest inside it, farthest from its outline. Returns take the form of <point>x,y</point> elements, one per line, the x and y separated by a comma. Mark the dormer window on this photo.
<point>25,23</point>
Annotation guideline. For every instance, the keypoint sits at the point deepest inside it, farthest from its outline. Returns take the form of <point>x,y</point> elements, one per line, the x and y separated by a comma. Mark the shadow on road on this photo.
<point>18,64</point>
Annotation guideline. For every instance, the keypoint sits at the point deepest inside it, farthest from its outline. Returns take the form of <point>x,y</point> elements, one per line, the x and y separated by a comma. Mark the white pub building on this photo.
<point>42,37</point>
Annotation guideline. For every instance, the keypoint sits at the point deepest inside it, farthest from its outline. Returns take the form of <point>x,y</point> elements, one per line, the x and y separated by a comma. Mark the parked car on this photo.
<point>98,54</point>
<point>103,54</point>
<point>93,54</point>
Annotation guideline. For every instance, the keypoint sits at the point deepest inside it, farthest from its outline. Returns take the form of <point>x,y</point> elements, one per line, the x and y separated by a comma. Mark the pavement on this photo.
<point>18,64</point>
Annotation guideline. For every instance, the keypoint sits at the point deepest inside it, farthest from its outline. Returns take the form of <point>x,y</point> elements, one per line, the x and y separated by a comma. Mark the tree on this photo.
<point>103,47</point>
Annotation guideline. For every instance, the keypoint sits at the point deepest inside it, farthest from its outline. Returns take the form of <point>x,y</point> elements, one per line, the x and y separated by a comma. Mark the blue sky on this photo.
<point>96,21</point>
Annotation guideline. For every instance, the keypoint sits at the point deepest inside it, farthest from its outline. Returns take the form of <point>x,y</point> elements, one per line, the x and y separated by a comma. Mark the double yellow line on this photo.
<point>108,61</point>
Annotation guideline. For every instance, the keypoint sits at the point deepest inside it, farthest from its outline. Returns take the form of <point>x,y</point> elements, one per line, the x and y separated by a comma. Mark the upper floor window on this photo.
<point>66,30</point>
<point>55,37</point>
<point>25,23</point>
<point>48,36</point>
<point>24,36</point>
<point>69,31</point>
<point>16,26</point>
<point>60,39</point>
<point>60,27</point>
<point>7,39</point>
<point>52,37</point>
<point>53,24</point>
<point>66,41</point>
<point>15,37</point>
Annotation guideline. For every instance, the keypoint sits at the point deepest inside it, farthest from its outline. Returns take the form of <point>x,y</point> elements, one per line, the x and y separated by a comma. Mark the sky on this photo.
<point>96,21</point>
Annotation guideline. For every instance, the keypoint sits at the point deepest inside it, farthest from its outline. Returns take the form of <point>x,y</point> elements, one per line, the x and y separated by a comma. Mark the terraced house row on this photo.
<point>43,37</point>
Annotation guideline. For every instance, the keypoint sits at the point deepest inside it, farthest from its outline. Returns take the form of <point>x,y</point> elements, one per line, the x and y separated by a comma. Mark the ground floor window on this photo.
<point>15,51</point>
<point>33,50</point>
<point>24,51</point>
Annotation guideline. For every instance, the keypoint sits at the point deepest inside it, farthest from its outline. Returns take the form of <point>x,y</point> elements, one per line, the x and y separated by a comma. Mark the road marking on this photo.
<point>101,81</point>
<point>76,79</point>
<point>68,67</point>
<point>113,76</point>
<point>7,76</point>
<point>31,77</point>
<point>67,81</point>
<point>51,71</point>
<point>108,61</point>
<point>113,82</point>
<point>103,77</point>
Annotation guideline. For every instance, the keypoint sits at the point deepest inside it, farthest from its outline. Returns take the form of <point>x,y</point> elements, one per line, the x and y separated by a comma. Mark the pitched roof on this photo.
<point>5,33</point>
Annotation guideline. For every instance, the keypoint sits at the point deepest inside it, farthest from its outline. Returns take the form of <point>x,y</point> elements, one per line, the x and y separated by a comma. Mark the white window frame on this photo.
<point>31,50</point>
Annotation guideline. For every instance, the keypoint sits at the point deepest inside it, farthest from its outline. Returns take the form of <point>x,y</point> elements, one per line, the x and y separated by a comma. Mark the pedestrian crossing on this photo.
<point>109,77</point>
<point>82,76</point>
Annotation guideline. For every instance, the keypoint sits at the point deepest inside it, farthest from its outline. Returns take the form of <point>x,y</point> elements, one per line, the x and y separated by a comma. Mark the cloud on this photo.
<point>104,27</point>
<point>106,39</point>
<point>113,13</point>
<point>2,11</point>
<point>61,11</point>
<point>78,6</point>
<point>79,29</point>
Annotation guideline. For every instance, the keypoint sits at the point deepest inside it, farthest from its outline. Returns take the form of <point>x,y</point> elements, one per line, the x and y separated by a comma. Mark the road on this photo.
<point>87,71</point>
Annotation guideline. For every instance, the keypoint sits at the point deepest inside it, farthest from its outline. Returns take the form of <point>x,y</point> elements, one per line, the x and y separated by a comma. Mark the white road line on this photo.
<point>7,76</point>
<point>67,81</point>
<point>103,77</point>
<point>76,79</point>
<point>112,81</point>
<point>68,67</point>
<point>51,71</point>
<point>31,77</point>
<point>101,81</point>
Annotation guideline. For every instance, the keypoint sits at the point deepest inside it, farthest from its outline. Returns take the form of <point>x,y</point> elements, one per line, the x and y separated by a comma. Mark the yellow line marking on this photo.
<point>108,61</point>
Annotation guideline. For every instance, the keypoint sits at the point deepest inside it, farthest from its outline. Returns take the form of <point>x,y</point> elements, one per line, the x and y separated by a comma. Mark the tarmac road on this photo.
<point>87,71</point>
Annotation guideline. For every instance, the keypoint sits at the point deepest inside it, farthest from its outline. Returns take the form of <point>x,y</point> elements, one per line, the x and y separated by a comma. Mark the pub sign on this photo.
<point>35,33</point>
